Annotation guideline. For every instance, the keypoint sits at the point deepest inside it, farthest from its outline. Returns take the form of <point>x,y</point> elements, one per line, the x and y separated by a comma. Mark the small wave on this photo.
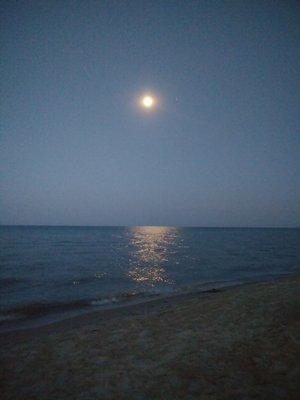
<point>123,297</point>
<point>9,317</point>
<point>104,302</point>
<point>39,309</point>
<point>89,279</point>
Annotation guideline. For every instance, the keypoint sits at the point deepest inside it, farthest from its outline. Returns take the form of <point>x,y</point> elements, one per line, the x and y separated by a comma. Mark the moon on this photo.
<point>147,101</point>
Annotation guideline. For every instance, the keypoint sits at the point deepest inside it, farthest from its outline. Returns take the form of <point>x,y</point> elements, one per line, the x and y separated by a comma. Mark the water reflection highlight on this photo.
<point>151,247</point>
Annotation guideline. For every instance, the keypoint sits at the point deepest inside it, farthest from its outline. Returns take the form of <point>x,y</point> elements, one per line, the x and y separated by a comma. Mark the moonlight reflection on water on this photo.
<point>151,246</point>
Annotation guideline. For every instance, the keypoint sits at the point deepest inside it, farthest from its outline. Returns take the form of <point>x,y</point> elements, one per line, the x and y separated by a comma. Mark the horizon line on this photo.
<point>167,225</point>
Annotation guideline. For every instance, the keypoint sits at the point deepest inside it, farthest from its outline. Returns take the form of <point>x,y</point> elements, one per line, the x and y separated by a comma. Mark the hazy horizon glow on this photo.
<point>218,146</point>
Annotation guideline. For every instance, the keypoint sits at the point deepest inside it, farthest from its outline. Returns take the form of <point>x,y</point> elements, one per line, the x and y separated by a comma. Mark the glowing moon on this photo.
<point>148,101</point>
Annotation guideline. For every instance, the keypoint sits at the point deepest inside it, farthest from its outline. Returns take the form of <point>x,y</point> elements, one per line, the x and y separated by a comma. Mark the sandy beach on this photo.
<point>234,343</point>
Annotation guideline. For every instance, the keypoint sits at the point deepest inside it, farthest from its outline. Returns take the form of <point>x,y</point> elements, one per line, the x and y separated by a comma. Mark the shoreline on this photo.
<point>133,307</point>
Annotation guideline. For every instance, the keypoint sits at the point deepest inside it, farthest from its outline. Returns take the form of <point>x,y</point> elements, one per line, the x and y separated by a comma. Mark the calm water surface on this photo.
<point>49,270</point>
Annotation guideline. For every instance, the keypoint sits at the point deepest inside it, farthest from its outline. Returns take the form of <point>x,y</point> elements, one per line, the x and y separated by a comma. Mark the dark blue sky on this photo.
<point>220,149</point>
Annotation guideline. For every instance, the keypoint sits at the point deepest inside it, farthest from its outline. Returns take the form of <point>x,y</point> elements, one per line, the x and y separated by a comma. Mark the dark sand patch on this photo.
<point>237,343</point>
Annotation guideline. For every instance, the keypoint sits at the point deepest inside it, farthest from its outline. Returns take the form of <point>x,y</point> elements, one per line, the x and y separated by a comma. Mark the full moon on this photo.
<point>147,101</point>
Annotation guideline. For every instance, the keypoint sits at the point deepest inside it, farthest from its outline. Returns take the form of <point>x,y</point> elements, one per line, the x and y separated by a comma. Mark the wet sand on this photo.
<point>236,343</point>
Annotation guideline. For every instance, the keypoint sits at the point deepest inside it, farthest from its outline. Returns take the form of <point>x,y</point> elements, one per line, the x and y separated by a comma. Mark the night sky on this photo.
<point>219,148</point>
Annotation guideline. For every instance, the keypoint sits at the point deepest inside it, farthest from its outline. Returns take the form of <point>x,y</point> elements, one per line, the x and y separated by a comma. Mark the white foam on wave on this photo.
<point>103,302</point>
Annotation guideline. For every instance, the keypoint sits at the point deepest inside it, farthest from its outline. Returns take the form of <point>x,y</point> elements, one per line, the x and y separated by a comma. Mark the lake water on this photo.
<point>58,270</point>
